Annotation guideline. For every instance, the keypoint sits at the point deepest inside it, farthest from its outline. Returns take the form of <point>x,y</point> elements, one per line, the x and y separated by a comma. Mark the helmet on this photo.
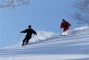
<point>29,26</point>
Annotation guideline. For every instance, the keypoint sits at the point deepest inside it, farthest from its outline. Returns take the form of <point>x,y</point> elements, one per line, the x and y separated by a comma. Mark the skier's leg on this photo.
<point>28,39</point>
<point>24,40</point>
<point>65,29</point>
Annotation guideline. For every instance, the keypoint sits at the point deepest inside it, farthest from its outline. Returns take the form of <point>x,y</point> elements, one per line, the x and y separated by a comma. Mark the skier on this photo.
<point>65,25</point>
<point>28,36</point>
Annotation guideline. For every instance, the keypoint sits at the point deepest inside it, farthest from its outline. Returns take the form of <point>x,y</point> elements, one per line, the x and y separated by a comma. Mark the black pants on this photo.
<point>26,39</point>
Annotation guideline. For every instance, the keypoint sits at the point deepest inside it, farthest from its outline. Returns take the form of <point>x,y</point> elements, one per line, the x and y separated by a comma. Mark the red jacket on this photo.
<point>65,25</point>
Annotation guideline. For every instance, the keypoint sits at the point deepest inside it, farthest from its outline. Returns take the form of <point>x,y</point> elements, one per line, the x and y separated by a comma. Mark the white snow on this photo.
<point>50,46</point>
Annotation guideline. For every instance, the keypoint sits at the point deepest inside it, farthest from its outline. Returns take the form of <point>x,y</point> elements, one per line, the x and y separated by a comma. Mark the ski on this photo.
<point>62,35</point>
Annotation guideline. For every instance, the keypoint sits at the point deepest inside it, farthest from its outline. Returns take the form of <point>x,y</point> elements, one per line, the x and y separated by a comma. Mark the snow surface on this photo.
<point>49,46</point>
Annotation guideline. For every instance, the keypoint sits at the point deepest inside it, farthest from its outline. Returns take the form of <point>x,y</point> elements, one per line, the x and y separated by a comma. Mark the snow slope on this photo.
<point>75,46</point>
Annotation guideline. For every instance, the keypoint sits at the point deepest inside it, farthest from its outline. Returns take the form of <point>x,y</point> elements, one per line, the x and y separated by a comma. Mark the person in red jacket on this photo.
<point>65,25</point>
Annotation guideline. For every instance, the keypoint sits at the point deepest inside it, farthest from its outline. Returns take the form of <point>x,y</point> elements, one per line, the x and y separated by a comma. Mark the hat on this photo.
<point>63,19</point>
<point>29,26</point>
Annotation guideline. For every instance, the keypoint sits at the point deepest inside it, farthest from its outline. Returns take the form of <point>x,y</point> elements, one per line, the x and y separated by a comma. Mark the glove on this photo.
<point>35,33</point>
<point>21,32</point>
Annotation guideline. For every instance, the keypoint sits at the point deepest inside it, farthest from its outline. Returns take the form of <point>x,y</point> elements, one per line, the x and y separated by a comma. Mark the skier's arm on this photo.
<point>24,31</point>
<point>68,24</point>
<point>34,32</point>
<point>61,25</point>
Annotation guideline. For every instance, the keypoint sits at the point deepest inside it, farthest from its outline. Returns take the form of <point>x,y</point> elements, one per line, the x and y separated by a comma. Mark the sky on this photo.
<point>43,15</point>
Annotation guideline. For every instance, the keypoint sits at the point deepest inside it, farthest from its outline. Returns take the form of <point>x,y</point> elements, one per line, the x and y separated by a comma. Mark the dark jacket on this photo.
<point>29,31</point>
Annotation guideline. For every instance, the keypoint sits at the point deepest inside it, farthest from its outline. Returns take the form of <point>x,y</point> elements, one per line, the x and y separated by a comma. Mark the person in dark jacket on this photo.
<point>28,36</point>
<point>65,25</point>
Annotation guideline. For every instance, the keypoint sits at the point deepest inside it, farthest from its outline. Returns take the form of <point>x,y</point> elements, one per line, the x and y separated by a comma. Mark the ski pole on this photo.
<point>18,36</point>
<point>60,31</point>
<point>38,38</point>
<point>69,30</point>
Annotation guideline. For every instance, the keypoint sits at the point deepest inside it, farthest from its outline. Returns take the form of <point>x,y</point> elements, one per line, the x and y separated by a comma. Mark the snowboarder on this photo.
<point>65,25</point>
<point>28,36</point>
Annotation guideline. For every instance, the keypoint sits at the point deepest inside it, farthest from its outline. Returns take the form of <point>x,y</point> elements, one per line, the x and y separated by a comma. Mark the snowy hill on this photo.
<point>75,46</point>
